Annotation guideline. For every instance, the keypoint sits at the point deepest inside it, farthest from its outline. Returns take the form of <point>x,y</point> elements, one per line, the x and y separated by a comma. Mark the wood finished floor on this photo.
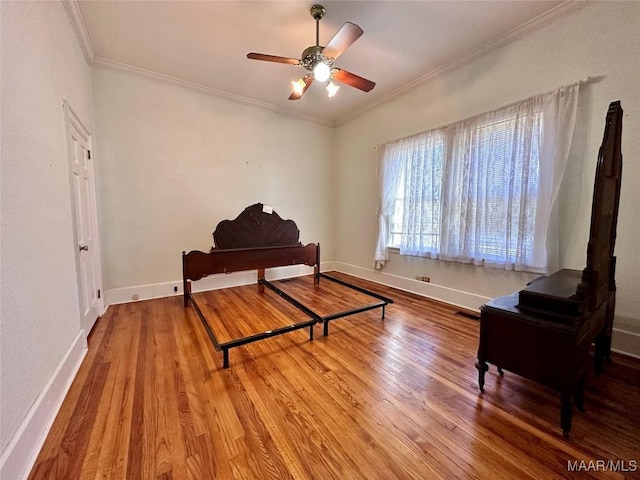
<point>376,399</point>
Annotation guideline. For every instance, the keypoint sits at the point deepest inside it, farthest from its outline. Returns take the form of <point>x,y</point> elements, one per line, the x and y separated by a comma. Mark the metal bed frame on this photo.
<point>252,242</point>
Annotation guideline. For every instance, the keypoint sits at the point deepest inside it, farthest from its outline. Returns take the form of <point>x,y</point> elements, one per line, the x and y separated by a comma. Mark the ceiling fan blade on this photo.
<point>272,58</point>
<point>353,80</point>
<point>348,34</point>
<point>308,80</point>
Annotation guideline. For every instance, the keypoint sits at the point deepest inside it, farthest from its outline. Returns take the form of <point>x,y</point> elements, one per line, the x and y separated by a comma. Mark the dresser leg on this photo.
<point>600,352</point>
<point>607,349</point>
<point>566,411</point>
<point>482,367</point>
<point>579,397</point>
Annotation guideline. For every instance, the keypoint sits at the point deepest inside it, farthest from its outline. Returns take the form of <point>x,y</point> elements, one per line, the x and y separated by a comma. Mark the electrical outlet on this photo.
<point>423,279</point>
<point>175,289</point>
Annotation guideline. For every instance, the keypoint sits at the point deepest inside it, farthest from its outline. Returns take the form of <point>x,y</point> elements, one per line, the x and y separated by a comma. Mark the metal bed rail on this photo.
<point>315,318</point>
<point>225,346</point>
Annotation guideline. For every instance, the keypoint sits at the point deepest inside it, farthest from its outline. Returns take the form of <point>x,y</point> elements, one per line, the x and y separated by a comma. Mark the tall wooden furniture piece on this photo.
<point>545,331</point>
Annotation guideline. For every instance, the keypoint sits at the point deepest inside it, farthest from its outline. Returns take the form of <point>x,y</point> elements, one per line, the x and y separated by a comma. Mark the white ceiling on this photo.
<point>203,44</point>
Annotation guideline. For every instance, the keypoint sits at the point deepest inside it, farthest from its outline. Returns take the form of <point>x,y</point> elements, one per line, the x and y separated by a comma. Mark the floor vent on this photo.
<point>472,316</point>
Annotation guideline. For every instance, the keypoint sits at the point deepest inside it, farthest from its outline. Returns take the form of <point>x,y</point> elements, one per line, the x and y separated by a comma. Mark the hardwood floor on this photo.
<point>376,399</point>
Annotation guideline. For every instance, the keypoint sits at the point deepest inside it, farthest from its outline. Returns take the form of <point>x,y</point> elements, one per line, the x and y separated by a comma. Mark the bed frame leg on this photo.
<point>316,268</point>
<point>260,277</point>
<point>225,358</point>
<point>383,311</point>
<point>311,333</point>
<point>186,287</point>
<point>326,329</point>
<point>316,275</point>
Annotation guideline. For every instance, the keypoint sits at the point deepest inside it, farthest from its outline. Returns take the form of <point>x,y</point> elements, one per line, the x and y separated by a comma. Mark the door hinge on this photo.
<point>89,154</point>
<point>99,293</point>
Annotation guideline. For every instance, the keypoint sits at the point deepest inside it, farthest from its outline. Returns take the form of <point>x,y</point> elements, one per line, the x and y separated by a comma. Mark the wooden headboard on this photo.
<point>257,226</point>
<point>255,240</point>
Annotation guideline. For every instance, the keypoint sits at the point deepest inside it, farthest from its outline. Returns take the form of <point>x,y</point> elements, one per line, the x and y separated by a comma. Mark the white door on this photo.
<point>85,220</point>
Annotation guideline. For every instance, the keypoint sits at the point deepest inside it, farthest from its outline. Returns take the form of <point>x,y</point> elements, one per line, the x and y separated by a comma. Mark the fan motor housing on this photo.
<point>312,52</point>
<point>311,55</point>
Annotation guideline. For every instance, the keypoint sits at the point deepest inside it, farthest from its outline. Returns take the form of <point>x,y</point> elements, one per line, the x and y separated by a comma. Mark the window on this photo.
<point>421,176</point>
<point>482,190</point>
<point>415,222</point>
<point>495,193</point>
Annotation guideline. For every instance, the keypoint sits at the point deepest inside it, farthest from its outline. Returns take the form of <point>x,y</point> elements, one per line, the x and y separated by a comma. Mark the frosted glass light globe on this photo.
<point>321,72</point>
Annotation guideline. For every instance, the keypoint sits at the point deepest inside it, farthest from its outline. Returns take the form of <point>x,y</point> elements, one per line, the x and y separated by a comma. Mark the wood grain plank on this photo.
<point>113,459</point>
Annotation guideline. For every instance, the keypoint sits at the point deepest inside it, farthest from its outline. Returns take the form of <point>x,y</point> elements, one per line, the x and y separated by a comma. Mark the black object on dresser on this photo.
<point>545,331</point>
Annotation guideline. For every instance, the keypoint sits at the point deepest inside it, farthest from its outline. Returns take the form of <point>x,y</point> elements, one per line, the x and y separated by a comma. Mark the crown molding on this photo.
<point>72,8</point>
<point>113,65</point>
<point>535,24</point>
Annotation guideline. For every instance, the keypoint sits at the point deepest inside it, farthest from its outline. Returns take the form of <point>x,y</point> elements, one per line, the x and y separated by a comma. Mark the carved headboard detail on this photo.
<point>255,227</point>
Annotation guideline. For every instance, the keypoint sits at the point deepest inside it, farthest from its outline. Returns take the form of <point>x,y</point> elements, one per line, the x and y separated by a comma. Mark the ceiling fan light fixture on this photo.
<point>321,71</point>
<point>298,86</point>
<point>318,60</point>
<point>332,88</point>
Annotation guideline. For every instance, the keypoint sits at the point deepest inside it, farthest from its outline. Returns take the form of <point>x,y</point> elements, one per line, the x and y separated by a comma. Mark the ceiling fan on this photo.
<point>319,60</point>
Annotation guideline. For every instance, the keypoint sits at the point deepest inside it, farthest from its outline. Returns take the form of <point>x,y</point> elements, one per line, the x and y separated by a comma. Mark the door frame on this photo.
<point>70,117</point>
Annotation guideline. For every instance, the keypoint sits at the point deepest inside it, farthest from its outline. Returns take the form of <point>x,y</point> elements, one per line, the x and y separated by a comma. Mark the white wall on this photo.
<point>602,39</point>
<point>173,162</point>
<point>42,64</point>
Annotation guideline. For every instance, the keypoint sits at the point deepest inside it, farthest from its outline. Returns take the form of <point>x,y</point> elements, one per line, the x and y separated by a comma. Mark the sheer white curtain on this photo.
<point>482,190</point>
<point>490,185</point>
<point>422,159</point>
<point>559,115</point>
<point>501,181</point>
<point>389,171</point>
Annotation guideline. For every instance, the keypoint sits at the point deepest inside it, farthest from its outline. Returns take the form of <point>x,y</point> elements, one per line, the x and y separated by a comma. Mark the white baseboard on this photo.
<point>625,342</point>
<point>21,453</point>
<point>458,298</point>
<point>212,282</point>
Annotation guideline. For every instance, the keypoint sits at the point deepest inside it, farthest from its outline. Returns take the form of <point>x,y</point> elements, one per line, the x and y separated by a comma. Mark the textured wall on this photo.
<point>602,39</point>
<point>39,318</point>
<point>173,162</point>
